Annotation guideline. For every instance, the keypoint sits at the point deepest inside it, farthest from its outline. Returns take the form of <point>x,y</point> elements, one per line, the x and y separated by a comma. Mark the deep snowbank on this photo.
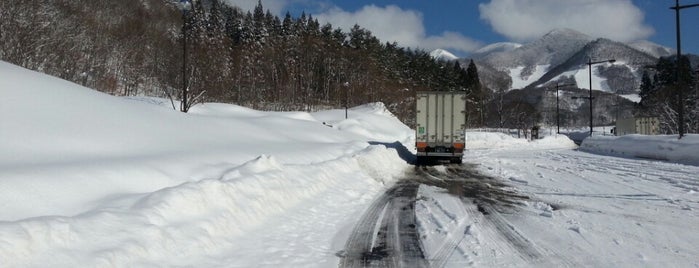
<point>202,222</point>
<point>495,140</point>
<point>661,147</point>
<point>88,179</point>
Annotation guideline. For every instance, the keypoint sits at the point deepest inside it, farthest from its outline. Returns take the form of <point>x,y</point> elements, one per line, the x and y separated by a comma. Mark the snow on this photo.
<point>496,48</point>
<point>441,54</point>
<point>89,179</point>
<point>651,48</point>
<point>519,81</point>
<point>582,78</point>
<point>590,210</point>
<point>92,180</point>
<point>661,147</point>
<point>632,97</point>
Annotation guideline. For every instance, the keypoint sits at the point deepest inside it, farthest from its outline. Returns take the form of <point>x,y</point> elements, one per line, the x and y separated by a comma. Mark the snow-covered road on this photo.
<point>531,206</point>
<point>594,210</point>
<point>386,235</point>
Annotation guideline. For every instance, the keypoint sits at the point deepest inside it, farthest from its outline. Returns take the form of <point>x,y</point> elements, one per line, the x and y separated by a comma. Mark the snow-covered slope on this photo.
<point>494,48</point>
<point>622,77</point>
<point>652,49</point>
<point>552,57</point>
<point>92,180</point>
<point>441,54</point>
<point>529,62</point>
<point>552,48</point>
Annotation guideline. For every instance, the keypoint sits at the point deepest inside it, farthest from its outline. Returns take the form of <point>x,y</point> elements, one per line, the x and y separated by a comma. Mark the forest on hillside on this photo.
<point>263,61</point>
<point>661,96</point>
<point>251,58</point>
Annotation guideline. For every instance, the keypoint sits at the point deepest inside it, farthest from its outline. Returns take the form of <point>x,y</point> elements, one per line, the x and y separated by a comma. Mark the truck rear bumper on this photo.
<point>436,154</point>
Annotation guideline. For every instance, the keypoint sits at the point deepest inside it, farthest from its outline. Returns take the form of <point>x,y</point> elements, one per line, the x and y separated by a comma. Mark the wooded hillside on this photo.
<point>255,59</point>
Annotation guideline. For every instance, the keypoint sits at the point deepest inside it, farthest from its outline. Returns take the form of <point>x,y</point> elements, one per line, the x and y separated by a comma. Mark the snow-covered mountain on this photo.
<point>441,54</point>
<point>495,48</point>
<point>561,55</point>
<point>622,77</point>
<point>527,63</point>
<point>653,49</point>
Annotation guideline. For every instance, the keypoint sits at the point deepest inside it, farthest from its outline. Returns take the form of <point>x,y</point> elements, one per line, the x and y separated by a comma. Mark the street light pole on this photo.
<point>680,112</point>
<point>589,64</point>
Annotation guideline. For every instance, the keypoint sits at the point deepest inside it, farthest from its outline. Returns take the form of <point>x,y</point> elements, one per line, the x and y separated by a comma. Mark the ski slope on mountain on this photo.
<point>521,80</point>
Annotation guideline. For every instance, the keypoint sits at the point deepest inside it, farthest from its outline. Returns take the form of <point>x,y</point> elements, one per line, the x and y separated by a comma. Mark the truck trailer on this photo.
<point>440,125</point>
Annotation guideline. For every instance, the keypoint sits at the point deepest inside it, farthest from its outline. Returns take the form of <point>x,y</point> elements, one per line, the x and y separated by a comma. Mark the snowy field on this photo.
<point>92,180</point>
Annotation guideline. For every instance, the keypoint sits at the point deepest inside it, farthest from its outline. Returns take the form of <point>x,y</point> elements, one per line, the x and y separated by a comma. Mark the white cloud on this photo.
<point>393,24</point>
<point>524,20</point>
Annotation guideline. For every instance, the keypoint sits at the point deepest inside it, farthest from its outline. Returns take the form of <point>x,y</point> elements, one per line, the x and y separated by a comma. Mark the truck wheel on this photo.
<point>456,160</point>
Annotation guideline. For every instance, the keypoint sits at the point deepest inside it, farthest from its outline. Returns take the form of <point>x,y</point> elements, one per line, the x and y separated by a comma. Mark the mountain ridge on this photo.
<point>538,62</point>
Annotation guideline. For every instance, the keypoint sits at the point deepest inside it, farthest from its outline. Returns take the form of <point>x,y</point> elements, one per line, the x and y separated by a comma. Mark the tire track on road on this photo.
<point>397,242</point>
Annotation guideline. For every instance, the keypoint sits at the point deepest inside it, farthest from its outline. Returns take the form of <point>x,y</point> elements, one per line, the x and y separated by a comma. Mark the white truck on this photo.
<point>441,121</point>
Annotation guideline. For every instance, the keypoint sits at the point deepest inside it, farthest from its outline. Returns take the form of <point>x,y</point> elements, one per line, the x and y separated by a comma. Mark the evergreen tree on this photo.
<point>646,89</point>
<point>476,90</point>
<point>661,97</point>
<point>472,80</point>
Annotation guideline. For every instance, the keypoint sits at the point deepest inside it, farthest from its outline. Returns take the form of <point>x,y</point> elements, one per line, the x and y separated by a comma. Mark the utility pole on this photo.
<point>679,84</point>
<point>589,64</point>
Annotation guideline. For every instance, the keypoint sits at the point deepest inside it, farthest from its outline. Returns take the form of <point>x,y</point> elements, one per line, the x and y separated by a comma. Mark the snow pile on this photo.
<point>495,140</point>
<point>372,122</point>
<point>88,179</point>
<point>553,142</point>
<point>661,147</point>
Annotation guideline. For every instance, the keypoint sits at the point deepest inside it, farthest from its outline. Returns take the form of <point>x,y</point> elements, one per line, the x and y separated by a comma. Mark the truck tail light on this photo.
<point>458,147</point>
<point>421,146</point>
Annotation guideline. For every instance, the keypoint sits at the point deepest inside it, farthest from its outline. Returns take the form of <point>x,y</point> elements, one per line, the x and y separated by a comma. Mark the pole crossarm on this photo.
<point>598,62</point>
<point>685,6</point>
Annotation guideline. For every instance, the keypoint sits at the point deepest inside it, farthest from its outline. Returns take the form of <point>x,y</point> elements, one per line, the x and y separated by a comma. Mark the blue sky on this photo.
<point>462,26</point>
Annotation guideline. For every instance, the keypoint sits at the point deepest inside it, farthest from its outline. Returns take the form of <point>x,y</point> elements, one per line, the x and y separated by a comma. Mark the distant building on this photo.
<point>637,125</point>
